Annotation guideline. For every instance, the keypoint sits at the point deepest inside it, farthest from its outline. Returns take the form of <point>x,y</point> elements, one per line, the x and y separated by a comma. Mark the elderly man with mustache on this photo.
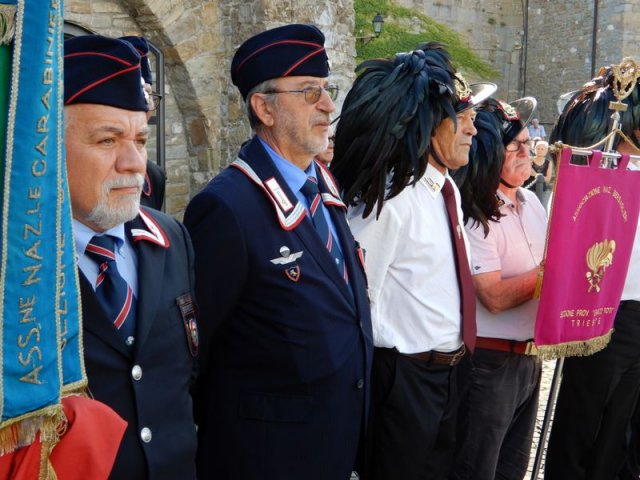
<point>506,225</point>
<point>140,332</point>
<point>286,329</point>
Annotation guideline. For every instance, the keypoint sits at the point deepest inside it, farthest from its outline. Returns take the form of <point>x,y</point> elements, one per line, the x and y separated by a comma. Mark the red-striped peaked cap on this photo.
<point>291,50</point>
<point>104,71</point>
<point>142,46</point>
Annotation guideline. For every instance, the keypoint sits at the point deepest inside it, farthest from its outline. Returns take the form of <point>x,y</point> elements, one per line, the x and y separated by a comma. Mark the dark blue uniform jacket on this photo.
<point>287,345</point>
<point>156,396</point>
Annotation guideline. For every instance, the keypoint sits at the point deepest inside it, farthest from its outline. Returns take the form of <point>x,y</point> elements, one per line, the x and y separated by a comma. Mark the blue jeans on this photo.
<point>497,416</point>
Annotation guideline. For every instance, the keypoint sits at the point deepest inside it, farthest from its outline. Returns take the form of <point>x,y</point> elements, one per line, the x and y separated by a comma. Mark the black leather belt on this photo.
<point>630,305</point>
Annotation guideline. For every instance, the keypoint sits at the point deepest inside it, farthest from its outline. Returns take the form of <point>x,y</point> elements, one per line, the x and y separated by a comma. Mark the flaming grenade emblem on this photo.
<point>599,257</point>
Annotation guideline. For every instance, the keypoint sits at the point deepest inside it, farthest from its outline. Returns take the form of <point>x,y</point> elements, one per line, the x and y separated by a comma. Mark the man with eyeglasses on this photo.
<point>393,154</point>
<point>506,226</point>
<point>155,177</point>
<point>286,338</point>
<point>326,157</point>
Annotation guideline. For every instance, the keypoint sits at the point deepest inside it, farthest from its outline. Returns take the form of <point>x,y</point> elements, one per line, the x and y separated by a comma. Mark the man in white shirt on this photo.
<point>506,225</point>
<point>393,153</point>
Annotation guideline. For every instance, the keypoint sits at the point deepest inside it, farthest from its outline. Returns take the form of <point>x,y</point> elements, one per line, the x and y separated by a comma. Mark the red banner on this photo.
<point>591,232</point>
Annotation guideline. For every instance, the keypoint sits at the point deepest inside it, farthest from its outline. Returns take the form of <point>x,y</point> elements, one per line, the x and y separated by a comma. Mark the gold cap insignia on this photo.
<point>463,91</point>
<point>625,77</point>
<point>510,113</point>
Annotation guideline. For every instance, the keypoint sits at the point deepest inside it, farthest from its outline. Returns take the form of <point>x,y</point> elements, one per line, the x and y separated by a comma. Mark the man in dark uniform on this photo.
<point>135,265</point>
<point>286,327</point>
<point>155,177</point>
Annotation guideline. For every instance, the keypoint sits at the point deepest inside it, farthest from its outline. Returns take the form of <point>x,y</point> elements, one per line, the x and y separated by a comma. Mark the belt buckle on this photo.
<point>456,357</point>
<point>531,349</point>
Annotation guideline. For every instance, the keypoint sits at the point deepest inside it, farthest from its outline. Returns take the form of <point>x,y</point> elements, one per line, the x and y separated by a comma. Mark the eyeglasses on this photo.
<point>312,93</point>
<point>516,145</point>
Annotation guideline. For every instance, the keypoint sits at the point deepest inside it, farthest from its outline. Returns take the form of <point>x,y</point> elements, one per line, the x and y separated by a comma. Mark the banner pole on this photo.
<point>548,413</point>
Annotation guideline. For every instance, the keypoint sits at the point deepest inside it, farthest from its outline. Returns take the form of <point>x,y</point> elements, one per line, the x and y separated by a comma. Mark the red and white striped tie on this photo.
<point>113,292</point>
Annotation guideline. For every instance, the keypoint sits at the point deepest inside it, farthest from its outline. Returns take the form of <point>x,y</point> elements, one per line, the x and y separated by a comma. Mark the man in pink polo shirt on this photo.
<point>506,226</point>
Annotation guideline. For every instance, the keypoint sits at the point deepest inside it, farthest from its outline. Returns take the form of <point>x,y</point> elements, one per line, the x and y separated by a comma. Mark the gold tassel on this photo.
<point>536,292</point>
<point>53,429</point>
<point>579,348</point>
<point>7,23</point>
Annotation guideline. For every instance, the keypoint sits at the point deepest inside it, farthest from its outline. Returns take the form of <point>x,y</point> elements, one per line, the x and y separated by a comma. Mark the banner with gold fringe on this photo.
<point>40,325</point>
<point>591,231</point>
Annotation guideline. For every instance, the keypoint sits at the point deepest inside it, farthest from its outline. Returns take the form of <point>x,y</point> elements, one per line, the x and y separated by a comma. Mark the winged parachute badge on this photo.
<point>287,256</point>
<point>599,257</point>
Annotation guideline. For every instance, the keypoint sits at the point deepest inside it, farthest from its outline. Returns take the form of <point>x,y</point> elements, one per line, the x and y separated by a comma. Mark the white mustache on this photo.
<point>135,180</point>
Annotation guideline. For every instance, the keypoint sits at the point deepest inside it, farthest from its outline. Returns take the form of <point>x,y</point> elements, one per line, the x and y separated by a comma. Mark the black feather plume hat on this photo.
<point>585,117</point>
<point>383,139</point>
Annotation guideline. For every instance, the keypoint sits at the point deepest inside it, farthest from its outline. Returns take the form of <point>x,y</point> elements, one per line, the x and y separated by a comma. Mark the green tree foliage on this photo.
<point>404,29</point>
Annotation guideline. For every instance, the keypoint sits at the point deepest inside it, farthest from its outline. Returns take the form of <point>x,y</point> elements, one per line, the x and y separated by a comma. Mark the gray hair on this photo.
<point>263,87</point>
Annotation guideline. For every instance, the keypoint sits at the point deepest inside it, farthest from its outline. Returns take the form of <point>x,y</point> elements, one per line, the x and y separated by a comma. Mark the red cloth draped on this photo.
<point>87,449</point>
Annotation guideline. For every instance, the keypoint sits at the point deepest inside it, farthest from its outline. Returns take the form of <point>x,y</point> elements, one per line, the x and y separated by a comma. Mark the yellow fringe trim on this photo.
<point>580,348</point>
<point>21,431</point>
<point>50,422</point>
<point>7,23</point>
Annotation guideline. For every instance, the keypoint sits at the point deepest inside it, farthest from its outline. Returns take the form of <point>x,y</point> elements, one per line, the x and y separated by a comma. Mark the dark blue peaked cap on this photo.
<point>104,71</point>
<point>291,50</point>
<point>142,46</point>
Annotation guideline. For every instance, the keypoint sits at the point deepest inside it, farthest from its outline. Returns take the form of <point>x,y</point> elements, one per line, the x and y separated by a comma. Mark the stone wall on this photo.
<point>561,55</point>
<point>545,50</point>
<point>491,28</point>
<point>205,116</point>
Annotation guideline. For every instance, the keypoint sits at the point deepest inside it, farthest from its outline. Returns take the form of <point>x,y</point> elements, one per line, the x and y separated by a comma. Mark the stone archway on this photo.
<point>205,116</point>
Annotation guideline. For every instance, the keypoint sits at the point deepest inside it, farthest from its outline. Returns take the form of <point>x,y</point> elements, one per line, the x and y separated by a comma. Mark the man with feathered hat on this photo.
<point>506,226</point>
<point>598,392</point>
<point>287,338</point>
<point>405,123</point>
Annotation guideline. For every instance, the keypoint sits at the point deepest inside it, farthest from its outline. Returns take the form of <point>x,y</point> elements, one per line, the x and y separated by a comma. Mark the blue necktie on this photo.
<point>311,191</point>
<point>113,292</point>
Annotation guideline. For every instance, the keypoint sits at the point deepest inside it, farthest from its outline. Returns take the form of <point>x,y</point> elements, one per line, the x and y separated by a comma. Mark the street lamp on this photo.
<point>377,23</point>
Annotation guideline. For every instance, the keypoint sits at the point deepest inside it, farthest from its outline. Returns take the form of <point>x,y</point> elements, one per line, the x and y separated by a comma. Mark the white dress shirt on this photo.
<point>514,245</point>
<point>411,268</point>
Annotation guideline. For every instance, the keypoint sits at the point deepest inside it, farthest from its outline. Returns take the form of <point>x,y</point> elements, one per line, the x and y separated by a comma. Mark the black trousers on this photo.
<point>411,433</point>
<point>596,401</point>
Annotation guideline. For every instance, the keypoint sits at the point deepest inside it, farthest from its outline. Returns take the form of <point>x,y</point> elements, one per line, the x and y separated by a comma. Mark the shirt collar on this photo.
<point>507,201</point>
<point>82,235</point>
<point>294,177</point>
<point>434,180</point>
